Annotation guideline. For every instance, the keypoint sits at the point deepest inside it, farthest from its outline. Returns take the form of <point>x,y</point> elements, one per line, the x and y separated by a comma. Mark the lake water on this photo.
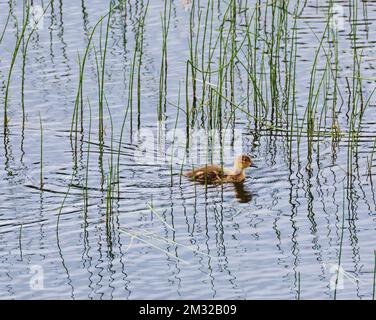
<point>282,234</point>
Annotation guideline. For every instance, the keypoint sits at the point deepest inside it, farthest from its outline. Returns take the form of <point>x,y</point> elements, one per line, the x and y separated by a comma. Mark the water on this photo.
<point>169,238</point>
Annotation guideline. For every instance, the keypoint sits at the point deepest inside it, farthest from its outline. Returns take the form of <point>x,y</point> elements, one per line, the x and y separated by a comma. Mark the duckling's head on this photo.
<point>242,162</point>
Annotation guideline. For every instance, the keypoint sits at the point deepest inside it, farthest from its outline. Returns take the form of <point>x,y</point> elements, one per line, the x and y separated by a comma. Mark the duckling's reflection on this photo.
<point>243,195</point>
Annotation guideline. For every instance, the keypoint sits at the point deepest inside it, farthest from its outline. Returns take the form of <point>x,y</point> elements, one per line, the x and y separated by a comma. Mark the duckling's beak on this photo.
<point>253,165</point>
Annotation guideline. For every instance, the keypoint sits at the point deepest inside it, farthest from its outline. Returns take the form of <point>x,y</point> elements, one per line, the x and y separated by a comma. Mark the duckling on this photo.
<point>217,174</point>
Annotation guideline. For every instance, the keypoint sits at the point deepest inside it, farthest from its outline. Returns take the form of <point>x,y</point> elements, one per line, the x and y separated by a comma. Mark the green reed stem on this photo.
<point>41,153</point>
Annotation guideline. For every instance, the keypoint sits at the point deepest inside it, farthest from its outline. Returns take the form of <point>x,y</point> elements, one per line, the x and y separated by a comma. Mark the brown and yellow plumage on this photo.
<point>218,174</point>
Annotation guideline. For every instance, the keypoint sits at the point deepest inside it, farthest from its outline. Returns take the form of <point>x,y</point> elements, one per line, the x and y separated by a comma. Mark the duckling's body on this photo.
<point>217,174</point>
